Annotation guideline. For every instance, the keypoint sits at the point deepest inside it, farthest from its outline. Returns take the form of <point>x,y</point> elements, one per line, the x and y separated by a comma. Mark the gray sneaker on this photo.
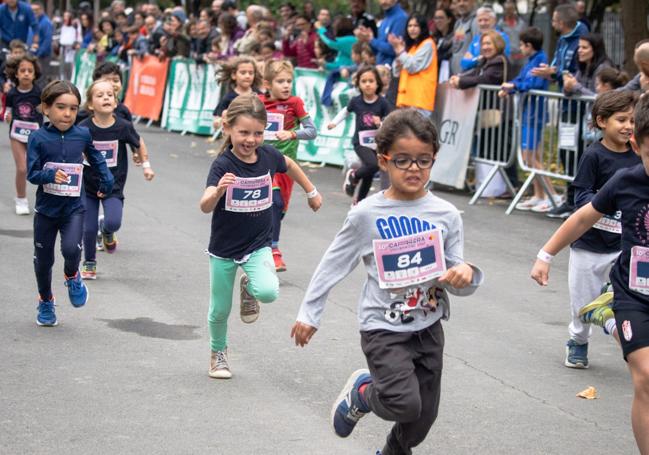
<point>249,305</point>
<point>219,367</point>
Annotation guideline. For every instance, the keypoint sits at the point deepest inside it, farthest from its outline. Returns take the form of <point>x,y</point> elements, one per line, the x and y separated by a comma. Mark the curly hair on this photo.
<point>11,68</point>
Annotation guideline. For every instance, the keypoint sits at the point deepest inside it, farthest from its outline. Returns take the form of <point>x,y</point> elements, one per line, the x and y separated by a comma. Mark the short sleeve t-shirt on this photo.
<point>225,103</point>
<point>235,234</point>
<point>24,105</point>
<point>114,137</point>
<point>293,111</point>
<point>597,166</point>
<point>365,112</point>
<point>628,192</point>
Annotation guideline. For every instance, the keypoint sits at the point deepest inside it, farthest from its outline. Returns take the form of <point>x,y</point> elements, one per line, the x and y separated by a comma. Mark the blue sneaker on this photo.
<point>46,316</point>
<point>77,290</point>
<point>349,407</point>
<point>576,355</point>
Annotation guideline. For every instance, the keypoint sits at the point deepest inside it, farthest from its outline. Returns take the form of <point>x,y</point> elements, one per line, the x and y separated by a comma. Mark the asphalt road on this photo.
<point>128,372</point>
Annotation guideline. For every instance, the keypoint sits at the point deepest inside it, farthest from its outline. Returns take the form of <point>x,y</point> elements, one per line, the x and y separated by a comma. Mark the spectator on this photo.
<point>443,36</point>
<point>640,83</point>
<point>286,12</point>
<point>491,69</point>
<point>308,11</point>
<point>207,14</point>
<point>609,78</point>
<point>230,34</point>
<point>16,18</point>
<point>44,51</point>
<point>343,29</point>
<point>361,17</point>
<point>216,8</point>
<point>357,57</point>
<point>230,7</point>
<point>580,6</point>
<point>416,66</point>
<point>87,29</point>
<point>591,56</point>
<point>143,43</point>
<point>466,27</point>
<point>202,43</point>
<point>394,22</point>
<point>512,24</point>
<point>300,43</point>
<point>69,40</point>
<point>486,19</point>
<point>174,43</point>
<point>254,15</point>
<point>564,21</point>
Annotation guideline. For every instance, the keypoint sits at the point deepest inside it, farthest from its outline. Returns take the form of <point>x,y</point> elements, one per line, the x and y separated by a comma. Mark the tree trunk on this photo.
<point>634,23</point>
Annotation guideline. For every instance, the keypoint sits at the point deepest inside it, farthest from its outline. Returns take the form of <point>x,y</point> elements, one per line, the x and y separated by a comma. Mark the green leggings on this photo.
<point>262,285</point>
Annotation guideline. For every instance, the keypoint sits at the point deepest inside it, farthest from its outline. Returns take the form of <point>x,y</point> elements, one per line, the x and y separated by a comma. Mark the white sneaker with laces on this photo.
<point>22,206</point>
<point>528,203</point>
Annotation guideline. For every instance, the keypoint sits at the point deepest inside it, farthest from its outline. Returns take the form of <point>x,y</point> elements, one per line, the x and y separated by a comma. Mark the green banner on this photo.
<point>331,146</point>
<point>84,65</point>
<point>191,95</point>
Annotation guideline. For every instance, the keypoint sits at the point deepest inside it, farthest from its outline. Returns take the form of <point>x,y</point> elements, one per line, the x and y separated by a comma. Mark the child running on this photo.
<point>370,109</point>
<point>55,155</point>
<point>242,78</point>
<point>110,135</point>
<point>406,237</point>
<point>627,192</point>
<point>288,123</point>
<point>239,196</point>
<point>23,101</point>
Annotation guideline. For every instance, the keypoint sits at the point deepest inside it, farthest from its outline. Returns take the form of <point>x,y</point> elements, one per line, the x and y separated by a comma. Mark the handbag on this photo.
<point>491,118</point>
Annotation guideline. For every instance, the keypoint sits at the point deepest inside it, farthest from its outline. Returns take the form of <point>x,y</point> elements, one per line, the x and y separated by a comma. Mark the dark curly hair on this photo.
<point>11,68</point>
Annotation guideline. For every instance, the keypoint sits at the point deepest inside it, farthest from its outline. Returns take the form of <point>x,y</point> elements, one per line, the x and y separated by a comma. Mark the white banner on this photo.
<point>455,135</point>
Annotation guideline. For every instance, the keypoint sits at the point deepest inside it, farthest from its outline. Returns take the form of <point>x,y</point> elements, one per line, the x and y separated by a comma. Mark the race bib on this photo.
<point>367,138</point>
<point>72,187</point>
<point>409,260</point>
<point>639,270</point>
<point>609,224</point>
<point>250,194</point>
<point>274,124</point>
<point>109,150</point>
<point>20,130</point>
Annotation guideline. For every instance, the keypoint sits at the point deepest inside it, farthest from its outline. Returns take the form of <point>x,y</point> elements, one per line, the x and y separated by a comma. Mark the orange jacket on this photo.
<point>418,90</point>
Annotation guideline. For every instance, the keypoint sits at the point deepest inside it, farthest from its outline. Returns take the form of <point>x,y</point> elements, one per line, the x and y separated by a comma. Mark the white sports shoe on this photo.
<point>546,205</point>
<point>22,206</point>
<point>527,204</point>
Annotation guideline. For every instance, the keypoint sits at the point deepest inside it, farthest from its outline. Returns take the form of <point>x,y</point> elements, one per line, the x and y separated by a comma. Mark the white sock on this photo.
<point>609,326</point>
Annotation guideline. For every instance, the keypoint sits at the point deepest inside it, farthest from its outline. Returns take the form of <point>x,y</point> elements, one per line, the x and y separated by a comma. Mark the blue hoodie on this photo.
<point>525,82</point>
<point>565,54</point>
<point>50,145</point>
<point>394,22</point>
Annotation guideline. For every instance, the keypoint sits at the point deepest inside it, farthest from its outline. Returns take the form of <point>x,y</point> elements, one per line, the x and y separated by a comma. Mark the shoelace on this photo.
<point>249,305</point>
<point>355,414</point>
<point>221,360</point>
<point>73,284</point>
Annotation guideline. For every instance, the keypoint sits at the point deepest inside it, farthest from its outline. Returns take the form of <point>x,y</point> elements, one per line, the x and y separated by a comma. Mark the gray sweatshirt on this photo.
<point>400,310</point>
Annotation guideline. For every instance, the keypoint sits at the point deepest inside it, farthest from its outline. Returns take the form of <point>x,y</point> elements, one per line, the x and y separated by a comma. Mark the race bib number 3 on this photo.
<point>20,130</point>
<point>409,260</point>
<point>274,124</point>
<point>639,270</point>
<point>72,188</point>
<point>367,138</point>
<point>250,194</point>
<point>109,150</point>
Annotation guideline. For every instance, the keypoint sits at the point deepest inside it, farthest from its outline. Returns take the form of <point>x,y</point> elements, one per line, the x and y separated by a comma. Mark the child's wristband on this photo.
<point>146,165</point>
<point>312,194</point>
<point>544,256</point>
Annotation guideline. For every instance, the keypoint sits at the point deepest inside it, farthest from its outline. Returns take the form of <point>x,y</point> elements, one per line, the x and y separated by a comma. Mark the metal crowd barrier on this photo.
<point>561,127</point>
<point>494,141</point>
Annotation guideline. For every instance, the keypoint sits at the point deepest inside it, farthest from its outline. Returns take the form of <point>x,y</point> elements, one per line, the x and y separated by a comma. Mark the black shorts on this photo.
<point>633,329</point>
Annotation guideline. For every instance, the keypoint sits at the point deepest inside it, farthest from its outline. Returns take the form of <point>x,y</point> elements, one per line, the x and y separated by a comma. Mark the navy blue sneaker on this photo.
<point>576,355</point>
<point>349,407</point>
<point>77,290</point>
<point>46,316</point>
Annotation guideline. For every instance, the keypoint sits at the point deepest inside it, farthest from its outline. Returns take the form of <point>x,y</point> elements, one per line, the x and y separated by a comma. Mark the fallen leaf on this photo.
<point>590,393</point>
<point>173,155</point>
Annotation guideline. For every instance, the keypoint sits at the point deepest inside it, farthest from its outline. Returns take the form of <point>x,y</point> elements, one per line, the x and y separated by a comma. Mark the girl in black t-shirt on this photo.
<point>241,77</point>
<point>110,135</point>
<point>370,109</point>
<point>239,195</point>
<point>24,117</point>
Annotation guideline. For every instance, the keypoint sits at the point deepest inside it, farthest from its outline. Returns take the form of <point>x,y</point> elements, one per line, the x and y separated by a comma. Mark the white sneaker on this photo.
<point>219,367</point>
<point>546,205</point>
<point>527,204</point>
<point>22,206</point>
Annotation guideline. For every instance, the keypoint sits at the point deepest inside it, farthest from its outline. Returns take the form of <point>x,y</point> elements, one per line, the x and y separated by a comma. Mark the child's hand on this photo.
<point>226,180</point>
<point>148,174</point>
<point>377,120</point>
<point>302,333</point>
<point>540,272</point>
<point>216,123</point>
<point>315,202</point>
<point>344,73</point>
<point>284,135</point>
<point>459,276</point>
<point>61,177</point>
<point>8,116</point>
<point>100,195</point>
<point>137,159</point>
<point>331,126</point>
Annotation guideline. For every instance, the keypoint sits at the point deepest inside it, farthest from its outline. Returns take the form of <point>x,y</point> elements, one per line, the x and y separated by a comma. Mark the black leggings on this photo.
<point>45,231</point>
<point>365,173</point>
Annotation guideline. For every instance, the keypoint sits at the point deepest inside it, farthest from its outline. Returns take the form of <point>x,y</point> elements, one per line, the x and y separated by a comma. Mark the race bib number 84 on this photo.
<point>250,194</point>
<point>409,260</point>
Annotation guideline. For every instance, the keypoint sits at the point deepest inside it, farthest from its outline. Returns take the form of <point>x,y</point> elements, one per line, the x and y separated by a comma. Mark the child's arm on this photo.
<point>573,228</point>
<point>305,132</point>
<point>586,179</point>
<point>339,260</point>
<point>340,116</point>
<point>294,171</point>
<point>213,194</point>
<point>97,161</point>
<point>143,153</point>
<point>35,172</point>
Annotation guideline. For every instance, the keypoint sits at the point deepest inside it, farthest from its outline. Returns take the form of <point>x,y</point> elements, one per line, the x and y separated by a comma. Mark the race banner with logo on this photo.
<point>331,146</point>
<point>84,65</point>
<point>455,135</point>
<point>146,86</point>
<point>192,94</point>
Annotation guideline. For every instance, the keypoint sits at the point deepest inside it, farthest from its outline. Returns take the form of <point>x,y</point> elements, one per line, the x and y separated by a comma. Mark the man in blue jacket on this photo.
<point>44,51</point>
<point>16,18</point>
<point>394,23</point>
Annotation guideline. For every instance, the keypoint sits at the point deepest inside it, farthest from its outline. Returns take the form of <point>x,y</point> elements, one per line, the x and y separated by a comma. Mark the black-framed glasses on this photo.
<point>404,163</point>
